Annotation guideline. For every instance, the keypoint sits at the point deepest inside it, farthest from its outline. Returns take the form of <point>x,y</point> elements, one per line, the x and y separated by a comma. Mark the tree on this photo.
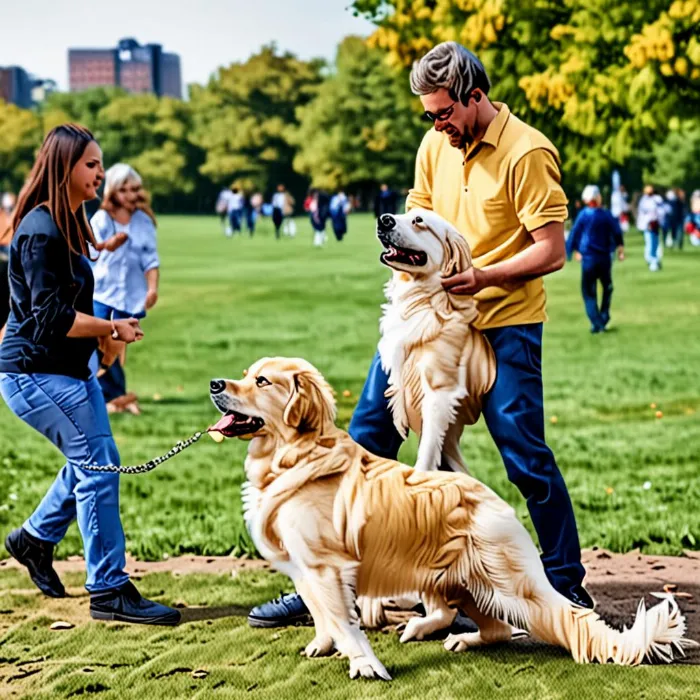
<point>152,135</point>
<point>602,79</point>
<point>243,119</point>
<point>20,137</point>
<point>676,161</point>
<point>363,127</point>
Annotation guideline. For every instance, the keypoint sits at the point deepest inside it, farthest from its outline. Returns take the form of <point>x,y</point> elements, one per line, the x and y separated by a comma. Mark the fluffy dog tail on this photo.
<point>655,636</point>
<point>508,582</point>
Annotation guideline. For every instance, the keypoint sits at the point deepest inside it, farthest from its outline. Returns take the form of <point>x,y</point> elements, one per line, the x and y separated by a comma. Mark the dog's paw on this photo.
<point>319,646</point>
<point>462,642</point>
<point>413,629</point>
<point>366,667</point>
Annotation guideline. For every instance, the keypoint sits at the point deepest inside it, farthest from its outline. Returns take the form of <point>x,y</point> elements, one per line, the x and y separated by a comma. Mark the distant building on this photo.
<point>16,86</point>
<point>131,66</point>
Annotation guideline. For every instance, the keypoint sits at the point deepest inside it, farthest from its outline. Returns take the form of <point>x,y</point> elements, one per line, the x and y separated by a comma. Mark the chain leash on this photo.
<point>146,466</point>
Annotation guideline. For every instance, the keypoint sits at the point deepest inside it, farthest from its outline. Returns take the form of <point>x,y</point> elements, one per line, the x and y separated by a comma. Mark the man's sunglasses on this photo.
<point>444,114</point>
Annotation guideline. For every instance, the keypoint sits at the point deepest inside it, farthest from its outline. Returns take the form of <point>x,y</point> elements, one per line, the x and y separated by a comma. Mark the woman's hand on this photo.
<point>115,241</point>
<point>127,330</point>
<point>151,299</point>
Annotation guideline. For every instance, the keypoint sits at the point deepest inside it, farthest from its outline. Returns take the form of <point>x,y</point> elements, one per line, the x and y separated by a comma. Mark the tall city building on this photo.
<point>129,65</point>
<point>16,86</point>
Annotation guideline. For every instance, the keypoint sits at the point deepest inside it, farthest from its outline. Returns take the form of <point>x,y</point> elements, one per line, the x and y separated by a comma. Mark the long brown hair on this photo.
<point>115,178</point>
<point>48,182</point>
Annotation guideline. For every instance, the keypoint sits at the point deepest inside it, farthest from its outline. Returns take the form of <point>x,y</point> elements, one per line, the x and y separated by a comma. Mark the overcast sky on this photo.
<point>36,34</point>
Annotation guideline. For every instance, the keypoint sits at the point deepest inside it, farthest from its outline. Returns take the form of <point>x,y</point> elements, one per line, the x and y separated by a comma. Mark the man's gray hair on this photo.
<point>449,65</point>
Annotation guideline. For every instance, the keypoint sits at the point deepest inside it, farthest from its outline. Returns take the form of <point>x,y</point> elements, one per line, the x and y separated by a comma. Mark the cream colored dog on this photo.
<point>439,366</point>
<point>341,522</point>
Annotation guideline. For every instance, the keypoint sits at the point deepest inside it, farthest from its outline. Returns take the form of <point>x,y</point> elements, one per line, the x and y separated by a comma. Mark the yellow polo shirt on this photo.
<point>504,186</point>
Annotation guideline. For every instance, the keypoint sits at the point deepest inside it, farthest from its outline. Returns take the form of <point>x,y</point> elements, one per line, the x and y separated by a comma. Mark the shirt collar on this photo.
<point>493,131</point>
<point>495,128</point>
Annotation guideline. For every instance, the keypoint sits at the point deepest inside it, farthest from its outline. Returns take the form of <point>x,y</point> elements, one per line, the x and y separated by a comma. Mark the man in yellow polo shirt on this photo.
<point>497,180</point>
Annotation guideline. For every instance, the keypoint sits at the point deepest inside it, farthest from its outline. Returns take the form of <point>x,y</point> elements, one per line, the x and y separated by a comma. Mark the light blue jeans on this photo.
<point>651,247</point>
<point>71,413</point>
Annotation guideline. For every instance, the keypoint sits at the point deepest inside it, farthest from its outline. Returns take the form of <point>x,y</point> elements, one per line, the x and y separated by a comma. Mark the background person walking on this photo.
<point>126,269</point>
<point>595,233</point>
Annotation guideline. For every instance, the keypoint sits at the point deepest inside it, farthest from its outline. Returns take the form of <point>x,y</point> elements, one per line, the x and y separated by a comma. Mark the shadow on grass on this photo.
<point>200,614</point>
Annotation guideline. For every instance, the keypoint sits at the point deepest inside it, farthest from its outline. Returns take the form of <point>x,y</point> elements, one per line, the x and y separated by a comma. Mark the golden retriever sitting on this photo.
<point>341,522</point>
<point>439,366</point>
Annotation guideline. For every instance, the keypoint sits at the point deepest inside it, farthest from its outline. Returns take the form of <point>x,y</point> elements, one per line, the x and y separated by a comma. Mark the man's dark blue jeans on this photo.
<point>594,270</point>
<point>514,415</point>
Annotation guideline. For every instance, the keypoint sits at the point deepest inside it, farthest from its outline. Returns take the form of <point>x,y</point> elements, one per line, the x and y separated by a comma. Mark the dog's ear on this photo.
<point>311,406</point>
<point>456,256</point>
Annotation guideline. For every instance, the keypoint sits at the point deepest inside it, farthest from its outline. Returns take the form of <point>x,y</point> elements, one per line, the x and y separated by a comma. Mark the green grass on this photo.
<point>127,661</point>
<point>224,303</point>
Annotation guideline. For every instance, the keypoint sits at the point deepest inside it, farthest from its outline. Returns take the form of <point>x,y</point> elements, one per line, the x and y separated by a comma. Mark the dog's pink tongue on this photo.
<point>223,423</point>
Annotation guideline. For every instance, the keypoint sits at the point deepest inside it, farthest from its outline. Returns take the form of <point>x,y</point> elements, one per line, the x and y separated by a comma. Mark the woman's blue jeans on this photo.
<point>71,413</point>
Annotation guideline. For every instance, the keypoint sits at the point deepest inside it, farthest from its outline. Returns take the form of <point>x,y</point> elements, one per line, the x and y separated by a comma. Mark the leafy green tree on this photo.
<point>676,161</point>
<point>602,79</point>
<point>363,127</point>
<point>20,137</point>
<point>244,117</point>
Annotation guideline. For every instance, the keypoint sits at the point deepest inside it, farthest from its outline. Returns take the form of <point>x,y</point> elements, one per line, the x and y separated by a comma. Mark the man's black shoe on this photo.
<point>580,596</point>
<point>126,604</point>
<point>288,609</point>
<point>37,556</point>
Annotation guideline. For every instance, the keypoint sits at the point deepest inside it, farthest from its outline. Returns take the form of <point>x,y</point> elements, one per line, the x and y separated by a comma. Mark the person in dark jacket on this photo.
<point>594,235</point>
<point>47,364</point>
<point>385,202</point>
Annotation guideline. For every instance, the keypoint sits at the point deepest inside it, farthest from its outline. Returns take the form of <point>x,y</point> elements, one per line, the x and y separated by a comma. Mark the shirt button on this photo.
<point>466,189</point>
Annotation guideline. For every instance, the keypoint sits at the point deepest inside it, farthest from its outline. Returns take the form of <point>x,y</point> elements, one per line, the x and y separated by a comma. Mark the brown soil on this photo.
<point>617,581</point>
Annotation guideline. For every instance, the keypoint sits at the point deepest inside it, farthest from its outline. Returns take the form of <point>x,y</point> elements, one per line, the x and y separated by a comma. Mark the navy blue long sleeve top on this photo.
<point>595,234</point>
<point>48,285</point>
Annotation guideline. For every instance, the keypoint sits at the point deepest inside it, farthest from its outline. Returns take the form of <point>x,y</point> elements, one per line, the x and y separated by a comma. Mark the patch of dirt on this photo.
<point>617,581</point>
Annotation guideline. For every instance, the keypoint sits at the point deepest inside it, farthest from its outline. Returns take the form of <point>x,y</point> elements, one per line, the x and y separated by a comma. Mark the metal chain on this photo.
<point>146,466</point>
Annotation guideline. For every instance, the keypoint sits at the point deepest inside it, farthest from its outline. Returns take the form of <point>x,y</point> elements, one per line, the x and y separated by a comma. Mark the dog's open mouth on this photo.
<point>234,424</point>
<point>404,256</point>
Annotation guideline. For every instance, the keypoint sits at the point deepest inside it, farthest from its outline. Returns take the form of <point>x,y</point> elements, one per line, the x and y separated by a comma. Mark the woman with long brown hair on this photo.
<point>126,271</point>
<point>47,380</point>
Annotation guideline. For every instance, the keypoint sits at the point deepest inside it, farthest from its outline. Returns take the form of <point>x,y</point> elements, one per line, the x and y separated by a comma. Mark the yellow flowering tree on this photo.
<point>602,79</point>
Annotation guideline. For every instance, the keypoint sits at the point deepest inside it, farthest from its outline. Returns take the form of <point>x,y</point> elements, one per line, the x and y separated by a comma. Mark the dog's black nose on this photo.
<point>216,386</point>
<point>386,222</point>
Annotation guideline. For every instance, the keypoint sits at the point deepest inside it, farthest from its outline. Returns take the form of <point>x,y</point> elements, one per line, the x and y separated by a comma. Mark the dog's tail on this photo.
<point>655,636</point>
<point>508,582</point>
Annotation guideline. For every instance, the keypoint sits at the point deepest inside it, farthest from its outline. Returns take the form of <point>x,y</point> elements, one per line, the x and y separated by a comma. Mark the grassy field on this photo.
<point>224,303</point>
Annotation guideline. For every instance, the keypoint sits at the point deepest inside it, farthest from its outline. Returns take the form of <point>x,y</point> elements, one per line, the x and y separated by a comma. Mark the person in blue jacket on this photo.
<point>594,235</point>
<point>47,377</point>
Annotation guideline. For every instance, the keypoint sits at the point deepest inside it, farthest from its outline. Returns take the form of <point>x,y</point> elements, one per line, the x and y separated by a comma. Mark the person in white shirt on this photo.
<point>620,207</point>
<point>235,209</point>
<point>222,211</point>
<point>125,267</point>
<point>650,218</point>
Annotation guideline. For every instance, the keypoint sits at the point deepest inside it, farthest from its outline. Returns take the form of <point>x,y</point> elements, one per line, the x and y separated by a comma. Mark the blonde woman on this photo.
<point>127,267</point>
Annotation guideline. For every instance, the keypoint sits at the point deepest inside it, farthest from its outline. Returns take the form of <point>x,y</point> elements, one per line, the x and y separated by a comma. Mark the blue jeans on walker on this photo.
<point>594,270</point>
<point>113,381</point>
<point>651,248</point>
<point>514,413</point>
<point>71,413</point>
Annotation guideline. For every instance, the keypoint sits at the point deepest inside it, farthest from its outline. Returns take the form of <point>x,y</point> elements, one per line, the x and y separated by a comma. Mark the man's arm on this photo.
<point>541,206</point>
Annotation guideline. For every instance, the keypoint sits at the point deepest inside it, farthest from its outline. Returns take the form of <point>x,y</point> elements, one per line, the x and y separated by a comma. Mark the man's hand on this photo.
<point>470,281</point>
<point>621,253</point>
<point>577,256</point>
